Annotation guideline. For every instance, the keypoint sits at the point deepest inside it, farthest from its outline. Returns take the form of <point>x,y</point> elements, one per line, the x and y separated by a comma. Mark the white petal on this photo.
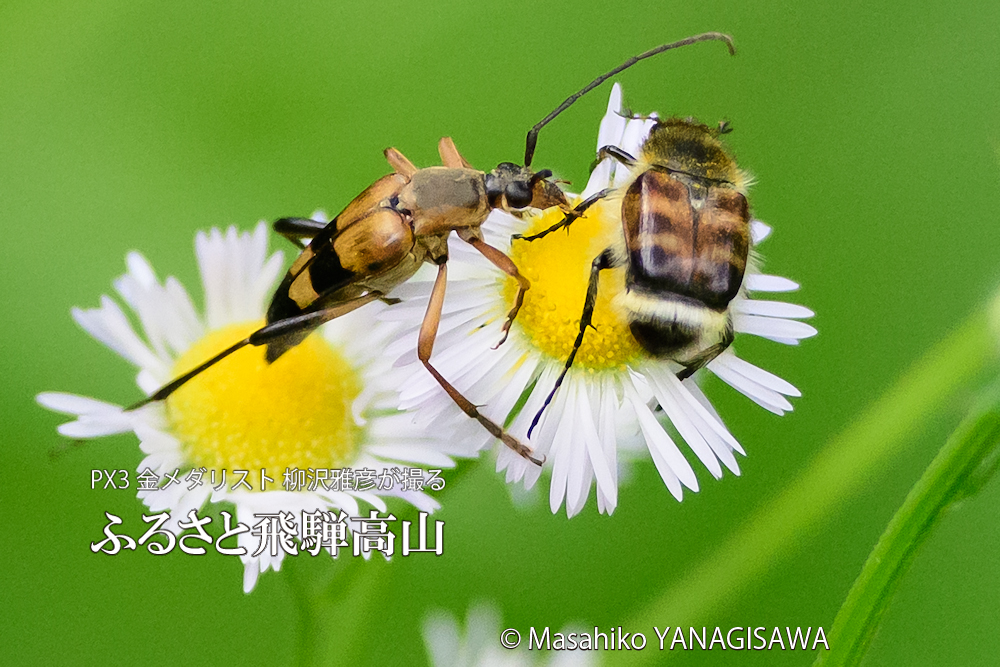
<point>762,283</point>
<point>691,384</point>
<point>501,224</point>
<point>412,289</point>
<point>772,327</point>
<point>715,425</point>
<point>659,445</point>
<point>211,254</point>
<point>236,274</point>
<point>759,375</point>
<point>187,325</point>
<point>514,384</point>
<point>410,454</point>
<point>771,308</point>
<point>371,499</point>
<point>522,422</point>
<point>149,382</point>
<point>766,398</point>
<point>165,311</point>
<point>600,178</point>
<point>592,439</point>
<point>251,571</point>
<point>581,472</point>
<point>72,404</point>
<point>636,131</point>
<point>673,406</point>
<point>345,501</point>
<point>690,413</point>
<point>721,448</point>
<point>608,407</point>
<point>613,123</point>
<point>562,449</point>
<point>164,446</point>
<point>610,134</point>
<point>109,325</point>
<point>759,231</point>
<point>86,427</point>
<point>421,501</point>
<point>669,461</point>
<point>783,341</point>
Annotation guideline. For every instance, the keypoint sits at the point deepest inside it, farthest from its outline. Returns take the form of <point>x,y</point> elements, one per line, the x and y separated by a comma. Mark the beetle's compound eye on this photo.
<point>518,194</point>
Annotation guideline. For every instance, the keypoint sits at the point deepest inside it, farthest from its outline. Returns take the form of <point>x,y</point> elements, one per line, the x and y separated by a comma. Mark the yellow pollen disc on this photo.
<point>246,414</point>
<point>558,267</point>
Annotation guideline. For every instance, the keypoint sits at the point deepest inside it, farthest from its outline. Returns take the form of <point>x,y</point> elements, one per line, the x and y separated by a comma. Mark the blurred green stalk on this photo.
<point>336,601</point>
<point>843,466</point>
<point>965,462</point>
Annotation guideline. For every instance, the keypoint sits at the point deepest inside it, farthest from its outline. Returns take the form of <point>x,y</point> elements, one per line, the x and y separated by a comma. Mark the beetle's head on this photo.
<point>515,189</point>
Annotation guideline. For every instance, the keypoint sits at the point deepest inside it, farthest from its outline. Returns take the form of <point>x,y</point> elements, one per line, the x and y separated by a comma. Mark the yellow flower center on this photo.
<point>558,267</point>
<point>246,414</point>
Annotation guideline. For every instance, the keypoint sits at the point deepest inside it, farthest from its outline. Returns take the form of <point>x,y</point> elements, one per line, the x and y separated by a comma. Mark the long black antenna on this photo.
<point>529,149</point>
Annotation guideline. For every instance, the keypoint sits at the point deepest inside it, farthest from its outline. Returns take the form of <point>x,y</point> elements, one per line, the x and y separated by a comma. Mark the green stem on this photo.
<point>965,462</point>
<point>335,599</point>
<point>304,596</point>
<point>848,462</point>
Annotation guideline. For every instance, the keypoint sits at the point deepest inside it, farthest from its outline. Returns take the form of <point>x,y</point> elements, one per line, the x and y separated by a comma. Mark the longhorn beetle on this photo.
<point>383,236</point>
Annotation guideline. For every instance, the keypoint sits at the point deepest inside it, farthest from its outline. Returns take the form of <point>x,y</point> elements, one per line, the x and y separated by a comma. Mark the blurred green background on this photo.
<point>872,128</point>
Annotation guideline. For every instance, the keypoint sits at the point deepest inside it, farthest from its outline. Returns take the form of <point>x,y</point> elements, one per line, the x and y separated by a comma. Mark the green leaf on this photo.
<point>966,461</point>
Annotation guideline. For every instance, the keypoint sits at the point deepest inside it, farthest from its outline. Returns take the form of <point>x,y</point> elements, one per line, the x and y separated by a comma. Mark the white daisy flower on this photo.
<point>329,403</point>
<point>484,645</point>
<point>607,402</point>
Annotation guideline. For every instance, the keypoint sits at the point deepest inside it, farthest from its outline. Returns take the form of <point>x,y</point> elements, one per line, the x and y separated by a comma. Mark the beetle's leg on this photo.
<point>296,229</point>
<point>450,157</point>
<point>601,262</point>
<point>616,153</point>
<point>505,264</point>
<point>266,334</point>
<point>576,212</point>
<point>175,384</point>
<point>705,356</point>
<point>399,163</point>
<point>425,346</point>
<point>628,114</point>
